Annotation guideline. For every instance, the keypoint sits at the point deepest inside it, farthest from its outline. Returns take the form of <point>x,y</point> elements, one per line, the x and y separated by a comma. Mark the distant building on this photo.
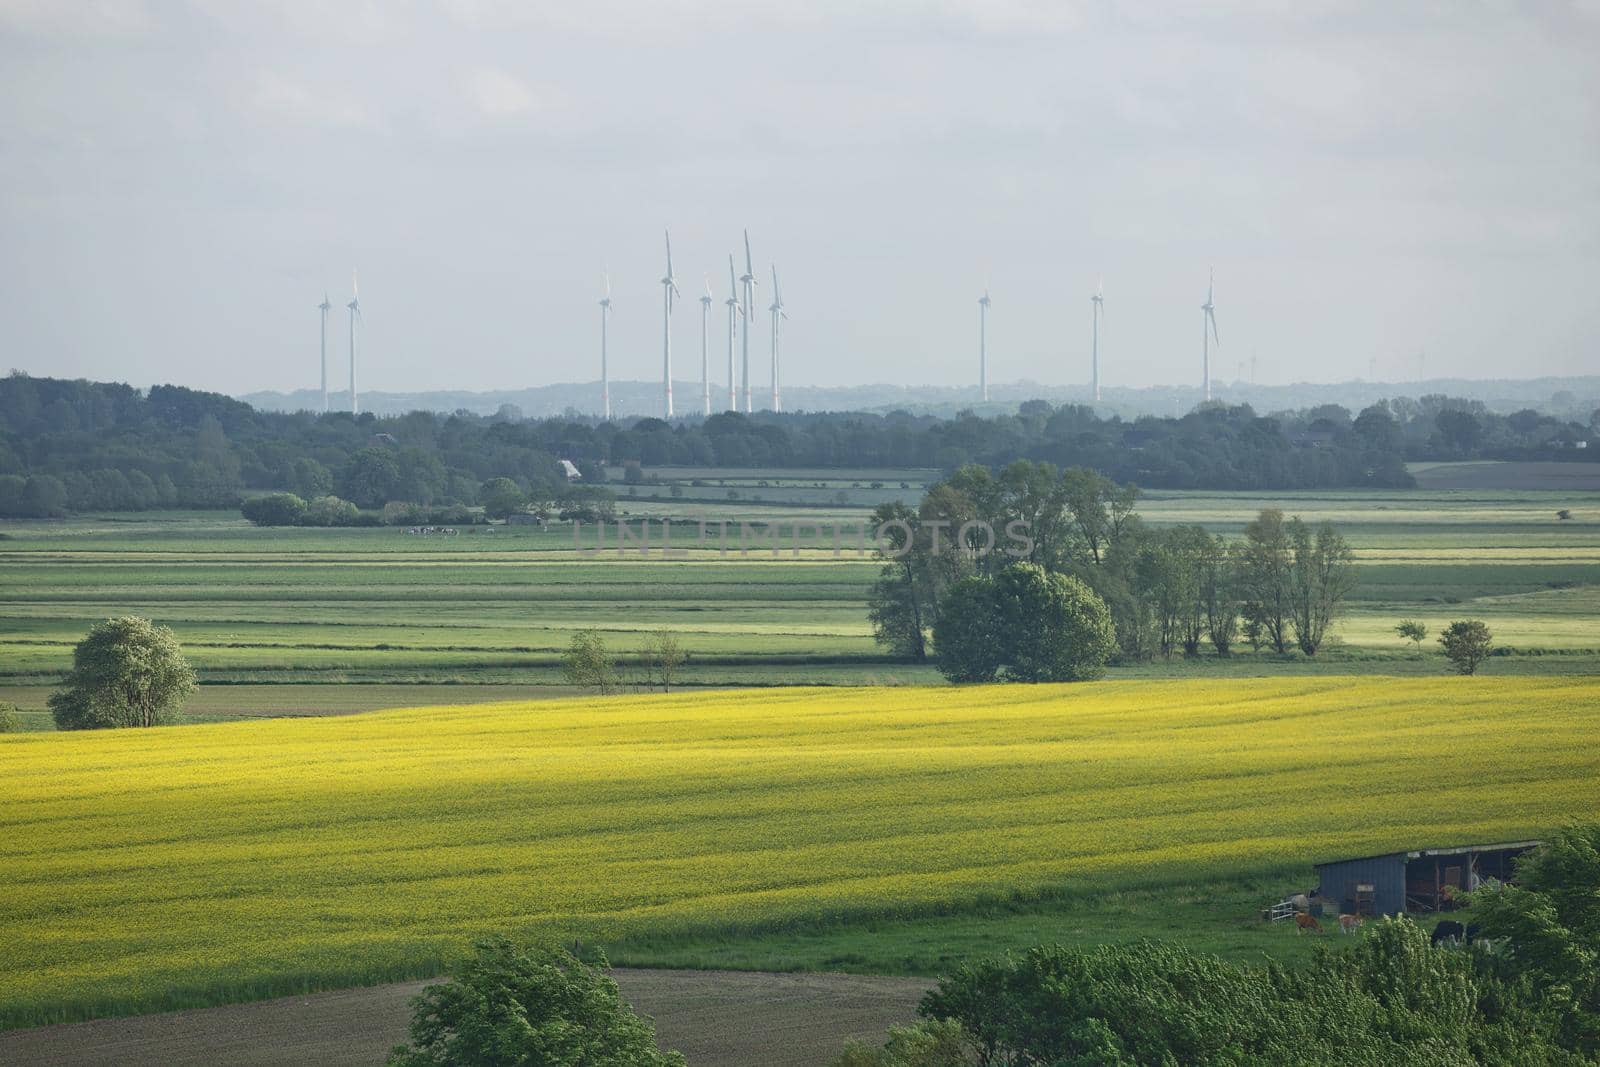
<point>1426,879</point>
<point>382,440</point>
<point>570,469</point>
<point>524,518</point>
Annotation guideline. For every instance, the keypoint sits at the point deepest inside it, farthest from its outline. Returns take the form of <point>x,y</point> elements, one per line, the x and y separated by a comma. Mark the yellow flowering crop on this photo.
<point>152,868</point>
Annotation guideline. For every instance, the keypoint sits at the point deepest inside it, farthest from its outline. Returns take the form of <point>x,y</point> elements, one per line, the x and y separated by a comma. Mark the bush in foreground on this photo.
<point>540,1007</point>
<point>1391,999</point>
<point>127,672</point>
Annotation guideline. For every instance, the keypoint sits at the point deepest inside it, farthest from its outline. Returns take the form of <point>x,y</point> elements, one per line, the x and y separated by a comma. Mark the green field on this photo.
<point>380,606</point>
<point>146,869</point>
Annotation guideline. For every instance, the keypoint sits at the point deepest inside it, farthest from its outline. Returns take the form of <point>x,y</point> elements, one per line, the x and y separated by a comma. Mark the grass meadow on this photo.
<point>142,870</point>
<point>311,608</point>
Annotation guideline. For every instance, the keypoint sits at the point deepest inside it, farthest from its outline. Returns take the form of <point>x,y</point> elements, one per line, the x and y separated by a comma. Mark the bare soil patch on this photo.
<point>715,1018</point>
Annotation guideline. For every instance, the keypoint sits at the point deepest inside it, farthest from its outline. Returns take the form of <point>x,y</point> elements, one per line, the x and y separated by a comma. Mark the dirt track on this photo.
<point>715,1018</point>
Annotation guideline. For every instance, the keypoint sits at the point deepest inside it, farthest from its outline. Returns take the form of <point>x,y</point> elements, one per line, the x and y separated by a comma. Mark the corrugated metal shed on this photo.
<point>1377,885</point>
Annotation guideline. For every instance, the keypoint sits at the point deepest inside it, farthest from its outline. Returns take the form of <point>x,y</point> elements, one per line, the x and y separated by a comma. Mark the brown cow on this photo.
<point>1349,924</point>
<point>1302,923</point>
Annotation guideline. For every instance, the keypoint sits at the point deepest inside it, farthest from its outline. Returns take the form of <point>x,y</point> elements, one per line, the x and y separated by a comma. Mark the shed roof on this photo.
<point>1456,850</point>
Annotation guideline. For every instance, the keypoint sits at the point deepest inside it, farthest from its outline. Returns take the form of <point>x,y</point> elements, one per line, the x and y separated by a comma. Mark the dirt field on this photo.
<point>715,1018</point>
<point>1576,477</point>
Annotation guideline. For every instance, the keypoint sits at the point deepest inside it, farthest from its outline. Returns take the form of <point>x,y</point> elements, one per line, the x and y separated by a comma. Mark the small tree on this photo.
<point>662,656</point>
<point>1466,644</point>
<point>1412,631</point>
<point>588,664</point>
<point>126,672</point>
<point>10,718</point>
<point>507,1007</point>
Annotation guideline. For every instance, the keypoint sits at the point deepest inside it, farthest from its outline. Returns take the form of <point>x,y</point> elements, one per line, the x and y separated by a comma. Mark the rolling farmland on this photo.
<point>312,607</point>
<point>161,868</point>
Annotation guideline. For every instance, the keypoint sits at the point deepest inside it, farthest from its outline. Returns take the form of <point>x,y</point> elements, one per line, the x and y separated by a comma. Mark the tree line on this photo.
<point>1171,591</point>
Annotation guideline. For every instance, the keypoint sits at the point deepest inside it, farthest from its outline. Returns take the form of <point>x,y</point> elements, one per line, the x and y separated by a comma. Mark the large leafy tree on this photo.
<point>1321,575</point>
<point>1038,626</point>
<point>512,1007</point>
<point>1467,643</point>
<point>1265,559</point>
<point>1551,923</point>
<point>126,672</point>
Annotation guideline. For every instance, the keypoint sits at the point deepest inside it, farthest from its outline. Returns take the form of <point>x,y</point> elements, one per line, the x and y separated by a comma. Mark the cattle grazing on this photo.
<point>1302,923</point>
<point>1349,924</point>
<point>1452,931</point>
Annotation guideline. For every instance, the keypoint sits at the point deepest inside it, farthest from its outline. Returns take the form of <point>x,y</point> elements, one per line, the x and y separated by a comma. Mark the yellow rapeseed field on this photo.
<point>143,869</point>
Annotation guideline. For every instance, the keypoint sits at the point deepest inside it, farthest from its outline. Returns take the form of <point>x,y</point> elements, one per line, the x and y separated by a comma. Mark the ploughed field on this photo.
<point>150,869</point>
<point>383,606</point>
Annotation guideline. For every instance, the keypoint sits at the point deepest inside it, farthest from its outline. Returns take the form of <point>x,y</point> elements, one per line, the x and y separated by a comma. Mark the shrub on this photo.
<point>509,1007</point>
<point>274,509</point>
<point>10,718</point>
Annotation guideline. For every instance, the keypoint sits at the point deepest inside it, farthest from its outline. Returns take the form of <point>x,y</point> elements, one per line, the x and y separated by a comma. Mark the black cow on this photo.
<point>1450,930</point>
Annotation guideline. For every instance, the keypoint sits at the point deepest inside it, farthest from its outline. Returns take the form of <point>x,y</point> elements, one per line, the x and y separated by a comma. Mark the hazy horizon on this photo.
<point>183,181</point>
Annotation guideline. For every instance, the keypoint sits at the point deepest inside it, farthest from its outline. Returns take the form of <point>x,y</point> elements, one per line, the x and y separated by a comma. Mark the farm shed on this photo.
<point>1420,880</point>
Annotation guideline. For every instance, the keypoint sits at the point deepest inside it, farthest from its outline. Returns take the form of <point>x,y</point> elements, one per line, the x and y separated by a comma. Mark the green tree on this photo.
<point>1040,627</point>
<point>10,718</point>
<point>662,657</point>
<point>588,663</point>
<point>537,1007</point>
<point>1264,563</point>
<point>501,497</point>
<point>1321,574</point>
<point>1466,644</point>
<point>1219,599</point>
<point>274,509</point>
<point>1551,925</point>
<point>967,634</point>
<point>1413,631</point>
<point>126,672</point>
<point>371,478</point>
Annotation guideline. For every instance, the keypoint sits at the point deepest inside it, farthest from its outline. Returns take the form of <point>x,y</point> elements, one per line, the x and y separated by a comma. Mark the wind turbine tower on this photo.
<point>1208,333</point>
<point>983,345</point>
<point>777,314</point>
<point>669,289</point>
<point>355,317</point>
<point>734,311</point>
<point>749,280</point>
<point>1097,301</point>
<point>605,370</point>
<point>705,357</point>
<point>324,307</point>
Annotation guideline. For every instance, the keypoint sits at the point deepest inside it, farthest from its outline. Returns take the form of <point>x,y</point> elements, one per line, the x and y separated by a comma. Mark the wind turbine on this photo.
<point>669,289</point>
<point>983,344</point>
<point>1098,300</point>
<point>705,358</point>
<point>605,374</point>
<point>355,316</point>
<point>324,307</point>
<point>777,313</point>
<point>1208,321</point>
<point>749,280</point>
<point>734,311</point>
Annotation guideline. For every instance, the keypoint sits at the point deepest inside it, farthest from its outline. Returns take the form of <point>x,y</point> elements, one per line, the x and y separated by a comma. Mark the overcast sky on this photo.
<point>180,182</point>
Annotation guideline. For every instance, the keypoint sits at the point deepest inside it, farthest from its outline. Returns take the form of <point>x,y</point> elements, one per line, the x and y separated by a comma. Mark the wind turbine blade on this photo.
<point>1211,316</point>
<point>669,253</point>
<point>749,264</point>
